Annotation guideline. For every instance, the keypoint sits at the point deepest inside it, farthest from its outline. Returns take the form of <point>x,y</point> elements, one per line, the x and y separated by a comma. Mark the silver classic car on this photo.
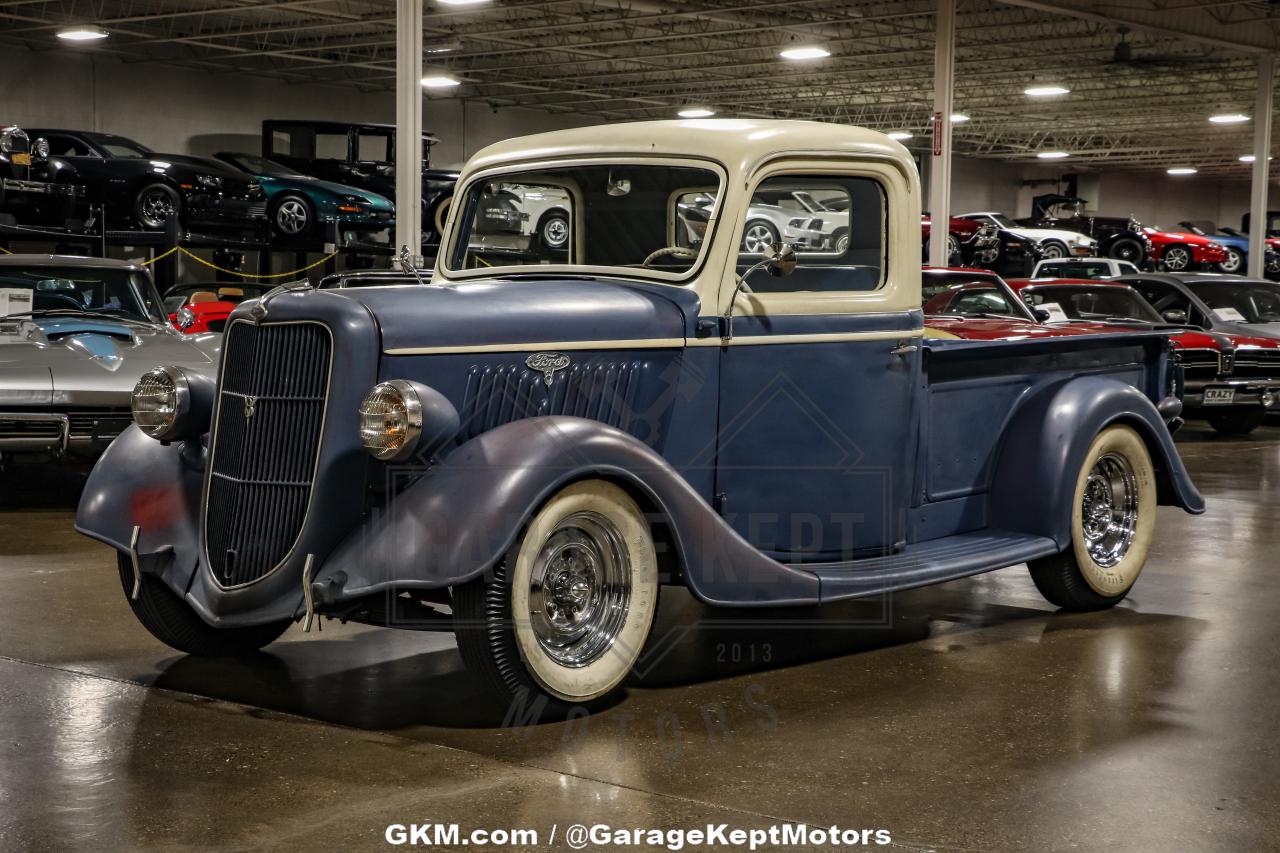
<point>75,335</point>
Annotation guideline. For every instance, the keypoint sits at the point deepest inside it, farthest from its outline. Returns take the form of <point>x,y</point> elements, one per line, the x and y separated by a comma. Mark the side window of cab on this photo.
<point>836,223</point>
<point>1168,301</point>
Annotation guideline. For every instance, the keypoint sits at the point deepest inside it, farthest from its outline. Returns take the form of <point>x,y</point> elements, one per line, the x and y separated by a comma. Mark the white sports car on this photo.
<point>1053,242</point>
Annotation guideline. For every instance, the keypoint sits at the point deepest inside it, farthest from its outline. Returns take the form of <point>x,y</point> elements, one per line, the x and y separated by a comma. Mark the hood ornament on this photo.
<point>547,363</point>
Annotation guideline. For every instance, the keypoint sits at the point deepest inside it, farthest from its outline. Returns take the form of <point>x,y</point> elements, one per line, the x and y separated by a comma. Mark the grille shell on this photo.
<point>262,466</point>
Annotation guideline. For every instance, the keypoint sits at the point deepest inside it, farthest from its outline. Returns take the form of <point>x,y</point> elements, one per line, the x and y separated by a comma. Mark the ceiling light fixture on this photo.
<point>82,34</point>
<point>807,52</point>
<point>899,135</point>
<point>1249,158</point>
<point>439,81</point>
<point>956,118</point>
<point>696,112</point>
<point>1052,155</point>
<point>1229,118</point>
<point>1182,170</point>
<point>1046,91</point>
<point>462,2</point>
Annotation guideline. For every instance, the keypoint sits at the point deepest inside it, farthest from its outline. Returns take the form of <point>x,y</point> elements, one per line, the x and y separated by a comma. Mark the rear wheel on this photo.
<point>156,204</point>
<point>1053,250</point>
<point>1112,523</point>
<point>553,231</point>
<point>1236,421</point>
<point>1233,262</point>
<point>174,623</point>
<point>758,236</point>
<point>566,615</point>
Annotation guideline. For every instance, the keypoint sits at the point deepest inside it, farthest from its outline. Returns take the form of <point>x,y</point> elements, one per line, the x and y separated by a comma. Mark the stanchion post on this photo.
<point>166,269</point>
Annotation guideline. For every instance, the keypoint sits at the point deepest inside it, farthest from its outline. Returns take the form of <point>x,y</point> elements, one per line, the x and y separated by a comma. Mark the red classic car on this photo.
<point>970,242</point>
<point>977,305</point>
<point>1225,383</point>
<point>1182,251</point>
<point>195,308</point>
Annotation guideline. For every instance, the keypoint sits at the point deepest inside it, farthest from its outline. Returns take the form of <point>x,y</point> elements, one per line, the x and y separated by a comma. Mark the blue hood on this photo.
<point>494,312</point>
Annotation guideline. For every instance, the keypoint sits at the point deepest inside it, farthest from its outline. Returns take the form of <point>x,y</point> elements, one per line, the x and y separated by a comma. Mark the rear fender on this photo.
<point>1045,445</point>
<point>467,512</point>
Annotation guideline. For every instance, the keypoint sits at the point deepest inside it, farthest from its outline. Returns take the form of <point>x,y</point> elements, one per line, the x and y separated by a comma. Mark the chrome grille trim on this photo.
<point>261,473</point>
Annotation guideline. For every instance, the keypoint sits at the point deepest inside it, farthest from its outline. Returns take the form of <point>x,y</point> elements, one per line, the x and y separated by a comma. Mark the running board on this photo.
<point>927,563</point>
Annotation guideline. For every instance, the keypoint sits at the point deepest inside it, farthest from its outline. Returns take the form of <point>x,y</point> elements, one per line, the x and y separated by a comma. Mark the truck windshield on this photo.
<point>1102,302</point>
<point>1250,301</point>
<point>120,293</point>
<point>625,216</point>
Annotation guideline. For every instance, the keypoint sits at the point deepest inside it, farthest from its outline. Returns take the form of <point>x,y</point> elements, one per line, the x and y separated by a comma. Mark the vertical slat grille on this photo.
<point>271,405</point>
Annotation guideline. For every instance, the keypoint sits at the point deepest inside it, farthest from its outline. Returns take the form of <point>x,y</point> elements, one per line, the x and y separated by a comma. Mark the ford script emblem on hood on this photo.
<point>547,363</point>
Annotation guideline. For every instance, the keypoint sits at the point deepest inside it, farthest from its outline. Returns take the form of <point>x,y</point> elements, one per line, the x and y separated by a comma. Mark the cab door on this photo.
<point>819,377</point>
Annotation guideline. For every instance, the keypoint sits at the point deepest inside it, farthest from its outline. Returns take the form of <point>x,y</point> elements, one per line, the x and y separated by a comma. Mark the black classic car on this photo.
<point>139,187</point>
<point>358,155</point>
<point>1119,237</point>
<point>33,189</point>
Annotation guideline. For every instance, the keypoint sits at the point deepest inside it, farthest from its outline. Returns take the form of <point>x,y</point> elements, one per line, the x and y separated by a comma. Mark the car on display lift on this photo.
<point>300,206</point>
<point>33,188</point>
<point>1051,242</point>
<point>1232,379</point>
<point>1119,237</point>
<point>197,308</point>
<point>1092,268</point>
<point>141,188</point>
<point>75,334</point>
<point>1236,246</point>
<point>551,441</point>
<point>1182,251</point>
<point>358,155</point>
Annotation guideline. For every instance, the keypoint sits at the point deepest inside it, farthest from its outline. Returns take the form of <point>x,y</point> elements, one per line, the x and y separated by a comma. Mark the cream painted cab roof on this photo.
<point>737,143</point>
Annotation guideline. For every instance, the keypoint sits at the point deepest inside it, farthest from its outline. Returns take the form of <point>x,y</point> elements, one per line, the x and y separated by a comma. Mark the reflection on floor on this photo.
<point>963,717</point>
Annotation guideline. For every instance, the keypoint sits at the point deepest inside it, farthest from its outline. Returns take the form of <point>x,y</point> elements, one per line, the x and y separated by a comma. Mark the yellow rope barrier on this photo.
<point>201,260</point>
<point>5,251</point>
<point>159,257</point>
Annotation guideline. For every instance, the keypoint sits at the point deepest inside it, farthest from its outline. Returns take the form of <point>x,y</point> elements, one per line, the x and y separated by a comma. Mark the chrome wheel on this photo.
<point>155,206</point>
<point>1052,251</point>
<point>758,237</point>
<point>293,217</point>
<point>1109,510</point>
<point>1233,262</point>
<point>580,589</point>
<point>842,243</point>
<point>1177,258</point>
<point>555,232</point>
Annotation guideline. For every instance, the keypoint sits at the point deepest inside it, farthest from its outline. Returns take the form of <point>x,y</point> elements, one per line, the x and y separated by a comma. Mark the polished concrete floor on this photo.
<point>964,717</point>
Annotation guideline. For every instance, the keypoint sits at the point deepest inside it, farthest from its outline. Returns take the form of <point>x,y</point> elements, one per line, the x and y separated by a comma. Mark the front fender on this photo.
<point>467,512</point>
<point>1045,446</point>
<point>140,482</point>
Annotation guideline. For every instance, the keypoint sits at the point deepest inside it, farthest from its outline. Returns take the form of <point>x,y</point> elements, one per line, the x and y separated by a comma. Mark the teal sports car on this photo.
<point>300,205</point>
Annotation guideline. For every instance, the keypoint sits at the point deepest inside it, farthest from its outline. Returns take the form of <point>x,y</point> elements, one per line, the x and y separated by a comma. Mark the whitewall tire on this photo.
<point>568,612</point>
<point>1112,525</point>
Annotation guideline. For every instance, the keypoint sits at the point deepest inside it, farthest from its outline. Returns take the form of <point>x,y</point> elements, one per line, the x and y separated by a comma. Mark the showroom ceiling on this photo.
<point>1144,75</point>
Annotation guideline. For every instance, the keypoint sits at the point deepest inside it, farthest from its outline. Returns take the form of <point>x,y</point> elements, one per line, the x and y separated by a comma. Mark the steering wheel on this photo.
<point>682,252</point>
<point>70,300</point>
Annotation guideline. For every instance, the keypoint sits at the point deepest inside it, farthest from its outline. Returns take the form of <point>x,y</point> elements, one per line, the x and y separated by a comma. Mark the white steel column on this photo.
<point>409,126</point>
<point>940,164</point>
<point>1261,166</point>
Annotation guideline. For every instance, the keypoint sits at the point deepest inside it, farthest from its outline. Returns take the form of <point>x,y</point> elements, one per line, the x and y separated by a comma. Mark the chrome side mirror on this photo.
<point>1173,315</point>
<point>779,259</point>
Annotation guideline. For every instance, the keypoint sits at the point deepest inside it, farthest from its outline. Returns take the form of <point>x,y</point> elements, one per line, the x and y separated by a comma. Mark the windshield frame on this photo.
<point>449,243</point>
<point>1101,286</point>
<point>146,292</point>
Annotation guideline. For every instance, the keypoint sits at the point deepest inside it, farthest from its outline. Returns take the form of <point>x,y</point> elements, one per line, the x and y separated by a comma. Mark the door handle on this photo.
<point>904,349</point>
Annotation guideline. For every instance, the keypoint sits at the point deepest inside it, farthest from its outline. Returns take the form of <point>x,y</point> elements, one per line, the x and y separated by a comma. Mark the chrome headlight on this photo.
<point>400,419</point>
<point>6,140</point>
<point>40,148</point>
<point>212,182</point>
<point>391,420</point>
<point>185,319</point>
<point>169,405</point>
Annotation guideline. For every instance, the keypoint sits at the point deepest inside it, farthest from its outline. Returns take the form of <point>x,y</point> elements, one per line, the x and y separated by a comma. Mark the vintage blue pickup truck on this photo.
<point>526,448</point>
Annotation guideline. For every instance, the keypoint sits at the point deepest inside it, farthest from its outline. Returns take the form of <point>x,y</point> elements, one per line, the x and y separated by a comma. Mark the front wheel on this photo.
<point>291,217</point>
<point>566,615</point>
<point>1126,249</point>
<point>554,231</point>
<point>1112,524</point>
<point>758,236</point>
<point>1238,421</point>
<point>174,623</point>
<point>1052,250</point>
<point>1177,259</point>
